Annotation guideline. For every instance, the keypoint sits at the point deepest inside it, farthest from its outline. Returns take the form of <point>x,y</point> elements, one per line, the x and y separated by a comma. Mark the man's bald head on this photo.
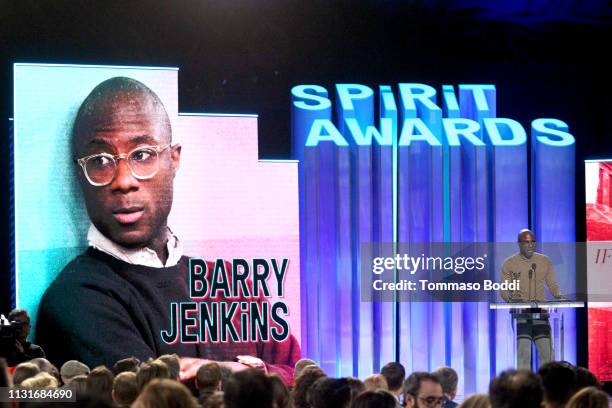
<point>102,107</point>
<point>526,242</point>
<point>524,233</point>
<point>120,127</point>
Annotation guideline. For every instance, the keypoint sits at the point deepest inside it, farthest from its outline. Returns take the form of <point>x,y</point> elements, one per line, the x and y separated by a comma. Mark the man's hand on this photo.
<point>19,346</point>
<point>561,297</point>
<point>190,366</point>
<point>252,362</point>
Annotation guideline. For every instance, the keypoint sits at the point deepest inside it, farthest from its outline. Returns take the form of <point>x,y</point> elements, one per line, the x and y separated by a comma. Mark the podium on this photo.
<point>536,310</point>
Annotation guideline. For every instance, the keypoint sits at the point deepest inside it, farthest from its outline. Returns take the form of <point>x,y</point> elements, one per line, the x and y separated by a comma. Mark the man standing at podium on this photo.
<point>532,270</point>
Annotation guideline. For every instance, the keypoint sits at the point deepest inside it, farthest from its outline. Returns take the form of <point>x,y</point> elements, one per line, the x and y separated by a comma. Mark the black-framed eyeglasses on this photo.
<point>100,169</point>
<point>433,401</point>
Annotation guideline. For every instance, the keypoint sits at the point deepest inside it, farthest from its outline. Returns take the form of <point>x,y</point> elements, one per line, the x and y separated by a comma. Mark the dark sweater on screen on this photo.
<point>101,309</point>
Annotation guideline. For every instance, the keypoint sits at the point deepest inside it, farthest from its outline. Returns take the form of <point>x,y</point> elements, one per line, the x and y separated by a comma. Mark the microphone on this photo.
<point>531,272</point>
<point>530,277</point>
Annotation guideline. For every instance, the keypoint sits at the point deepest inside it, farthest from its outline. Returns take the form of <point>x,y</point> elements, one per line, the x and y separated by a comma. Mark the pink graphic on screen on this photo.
<point>229,204</point>
<point>599,229</point>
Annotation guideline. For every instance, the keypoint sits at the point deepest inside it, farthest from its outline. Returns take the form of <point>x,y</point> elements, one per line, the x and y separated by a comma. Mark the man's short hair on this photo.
<point>377,398</point>
<point>585,378</point>
<point>17,312</point>
<point>71,369</point>
<point>250,388</point>
<point>516,389</point>
<point>165,393</point>
<point>172,361</point>
<point>46,366</point>
<point>414,380</point>
<point>357,387</point>
<point>395,374</point>
<point>208,376</point>
<point>281,396</point>
<point>24,371</point>
<point>302,364</point>
<point>125,388</point>
<point>303,384</point>
<point>79,384</point>
<point>559,381</point>
<point>150,371</point>
<point>100,382</point>
<point>331,393</point>
<point>127,364</point>
<point>448,379</point>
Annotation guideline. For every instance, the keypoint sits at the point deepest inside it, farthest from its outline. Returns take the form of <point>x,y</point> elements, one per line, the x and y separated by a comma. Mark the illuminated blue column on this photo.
<point>553,205</point>
<point>420,215</point>
<point>355,113</point>
<point>404,229</point>
<point>431,115</point>
<point>476,102</point>
<point>318,220</point>
<point>510,214</point>
<point>455,350</point>
<point>384,176</point>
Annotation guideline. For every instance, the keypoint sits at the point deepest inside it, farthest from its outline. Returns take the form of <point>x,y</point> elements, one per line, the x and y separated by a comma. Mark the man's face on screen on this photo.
<point>130,210</point>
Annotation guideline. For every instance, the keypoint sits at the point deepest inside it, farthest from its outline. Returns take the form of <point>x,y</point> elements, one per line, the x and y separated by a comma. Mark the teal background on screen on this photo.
<point>50,219</point>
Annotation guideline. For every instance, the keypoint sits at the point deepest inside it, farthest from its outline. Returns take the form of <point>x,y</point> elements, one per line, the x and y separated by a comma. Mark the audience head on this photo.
<point>375,382</point>
<point>448,380</point>
<point>422,389</point>
<point>127,364</point>
<point>24,371</point>
<point>100,382</point>
<point>559,382</point>
<point>173,363</point>
<point>585,378</point>
<point>249,389</point>
<point>87,400</point>
<point>71,369</point>
<point>79,384</point>
<point>302,364</point>
<point>22,316</point>
<point>357,387</point>
<point>375,399</point>
<point>476,401</point>
<point>125,389</point>
<point>41,380</point>
<point>516,389</point>
<point>281,397</point>
<point>215,401</point>
<point>165,393</point>
<point>395,374</point>
<point>46,366</point>
<point>5,378</point>
<point>149,371</point>
<point>226,374</point>
<point>208,377</point>
<point>331,393</point>
<point>589,397</point>
<point>303,384</point>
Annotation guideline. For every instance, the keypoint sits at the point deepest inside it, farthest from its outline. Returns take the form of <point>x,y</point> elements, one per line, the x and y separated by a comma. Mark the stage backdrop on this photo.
<point>227,203</point>
<point>358,185</point>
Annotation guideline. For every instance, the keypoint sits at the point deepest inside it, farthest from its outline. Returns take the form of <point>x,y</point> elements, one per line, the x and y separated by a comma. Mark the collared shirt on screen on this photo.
<point>139,256</point>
